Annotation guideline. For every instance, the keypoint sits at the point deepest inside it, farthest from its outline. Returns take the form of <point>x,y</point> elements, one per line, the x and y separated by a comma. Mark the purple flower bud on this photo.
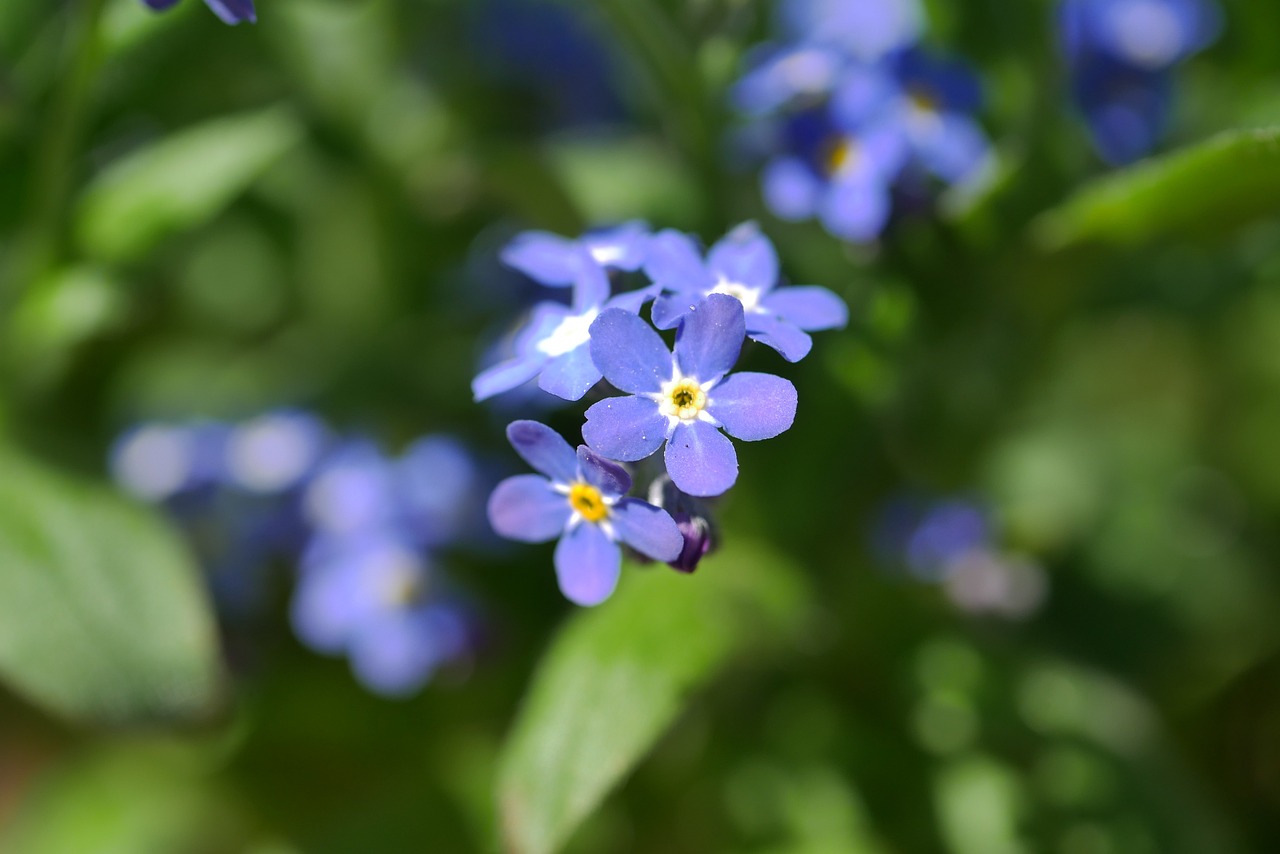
<point>693,518</point>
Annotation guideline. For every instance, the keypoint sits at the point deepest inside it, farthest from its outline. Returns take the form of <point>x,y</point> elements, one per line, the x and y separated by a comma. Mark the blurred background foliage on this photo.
<point>199,221</point>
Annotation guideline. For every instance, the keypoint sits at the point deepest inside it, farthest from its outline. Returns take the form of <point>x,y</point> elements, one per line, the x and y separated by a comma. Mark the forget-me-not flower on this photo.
<point>230,11</point>
<point>684,399</point>
<point>553,344</point>
<point>865,29</point>
<point>579,498</point>
<point>371,598</point>
<point>744,265</point>
<point>554,261</point>
<point>779,76</point>
<point>936,106</point>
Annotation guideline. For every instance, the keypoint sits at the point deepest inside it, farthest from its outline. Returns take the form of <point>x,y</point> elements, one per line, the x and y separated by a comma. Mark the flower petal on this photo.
<point>791,189</point>
<point>753,406</point>
<point>233,11</point>
<point>544,257</point>
<point>587,565</point>
<point>610,478</point>
<point>543,449</point>
<point>856,210</point>
<point>674,263</point>
<point>745,256</point>
<point>647,529</point>
<point>791,342</point>
<point>701,459</point>
<point>629,353</point>
<point>625,428</point>
<point>526,508</point>
<point>590,283</point>
<point>669,309</point>
<point>160,5</point>
<point>505,376</point>
<point>395,656</point>
<point>570,375</point>
<point>710,338</point>
<point>808,306</point>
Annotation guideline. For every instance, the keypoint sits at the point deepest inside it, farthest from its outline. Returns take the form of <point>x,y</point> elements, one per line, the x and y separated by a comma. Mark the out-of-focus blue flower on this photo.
<point>353,491</point>
<point>373,598</point>
<point>230,11</point>
<point>779,76</point>
<point>945,533</point>
<point>159,462</point>
<point>743,265</point>
<point>580,499</point>
<point>553,344</point>
<point>935,110</point>
<point>837,161</point>
<point>441,490</point>
<point>1151,35</point>
<point>556,261</point>
<point>1120,55</point>
<point>1126,108</point>
<point>275,452</point>
<point>865,29</point>
<point>684,399</point>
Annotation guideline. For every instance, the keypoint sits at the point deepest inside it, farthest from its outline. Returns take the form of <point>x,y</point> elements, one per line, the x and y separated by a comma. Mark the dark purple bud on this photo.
<point>693,518</point>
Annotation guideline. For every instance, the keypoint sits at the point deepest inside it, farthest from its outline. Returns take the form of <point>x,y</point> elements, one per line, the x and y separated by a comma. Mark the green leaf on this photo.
<point>617,677</point>
<point>181,181</point>
<point>103,617</point>
<point>1214,186</point>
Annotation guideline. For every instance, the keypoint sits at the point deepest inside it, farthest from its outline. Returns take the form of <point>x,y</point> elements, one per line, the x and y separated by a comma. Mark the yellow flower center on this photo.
<point>842,156</point>
<point>588,502</point>
<point>923,102</point>
<point>683,399</point>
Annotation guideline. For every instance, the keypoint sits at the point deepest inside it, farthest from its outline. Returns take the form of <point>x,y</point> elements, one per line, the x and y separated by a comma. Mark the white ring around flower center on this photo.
<point>749,297</point>
<point>572,333</point>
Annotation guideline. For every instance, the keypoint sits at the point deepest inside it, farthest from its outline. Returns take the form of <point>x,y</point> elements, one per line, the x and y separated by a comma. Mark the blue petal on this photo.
<point>675,264</point>
<point>710,338</point>
<point>701,459</point>
<point>587,565</point>
<point>233,11</point>
<point>590,284</point>
<point>863,95</point>
<point>954,148</point>
<point>625,428</point>
<point>647,529</point>
<point>544,449</point>
<point>160,5</point>
<point>629,353</point>
<point>791,189</point>
<point>571,375</point>
<point>547,258</point>
<point>791,342</point>
<point>808,307</point>
<point>622,247</point>
<point>505,376</point>
<point>526,508</point>
<point>632,300</point>
<point>753,406</point>
<point>325,608</point>
<point>745,256</point>
<point>605,475</point>
<point>856,210</point>
<point>669,309</point>
<point>395,656</point>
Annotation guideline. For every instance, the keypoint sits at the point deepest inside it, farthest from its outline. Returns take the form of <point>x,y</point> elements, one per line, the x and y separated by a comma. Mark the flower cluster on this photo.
<point>230,11</point>
<point>686,401</point>
<point>362,528</point>
<point>953,543</point>
<point>1121,55</point>
<point>851,114</point>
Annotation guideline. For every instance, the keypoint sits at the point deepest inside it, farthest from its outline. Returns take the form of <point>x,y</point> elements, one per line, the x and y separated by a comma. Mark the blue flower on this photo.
<point>230,11</point>
<point>582,501</point>
<point>352,491</point>
<point>374,598</point>
<point>684,399</point>
<point>780,75</point>
<point>162,462</point>
<point>1151,35</point>
<point>553,344</point>
<point>866,29</point>
<point>555,261</point>
<point>440,486</point>
<point>837,161</point>
<point>937,99</point>
<point>275,452</point>
<point>744,265</point>
<point>1126,109</point>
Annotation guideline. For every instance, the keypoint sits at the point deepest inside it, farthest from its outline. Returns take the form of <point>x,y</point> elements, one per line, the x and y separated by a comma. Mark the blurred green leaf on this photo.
<point>180,181</point>
<point>102,616</point>
<point>618,676</point>
<point>1227,181</point>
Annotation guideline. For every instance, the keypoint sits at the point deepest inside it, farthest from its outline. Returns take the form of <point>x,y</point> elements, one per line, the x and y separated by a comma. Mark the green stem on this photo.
<point>55,166</point>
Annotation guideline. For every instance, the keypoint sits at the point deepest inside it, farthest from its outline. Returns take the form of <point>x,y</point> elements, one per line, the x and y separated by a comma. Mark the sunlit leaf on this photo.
<point>102,616</point>
<point>1227,181</point>
<point>618,676</point>
<point>181,181</point>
